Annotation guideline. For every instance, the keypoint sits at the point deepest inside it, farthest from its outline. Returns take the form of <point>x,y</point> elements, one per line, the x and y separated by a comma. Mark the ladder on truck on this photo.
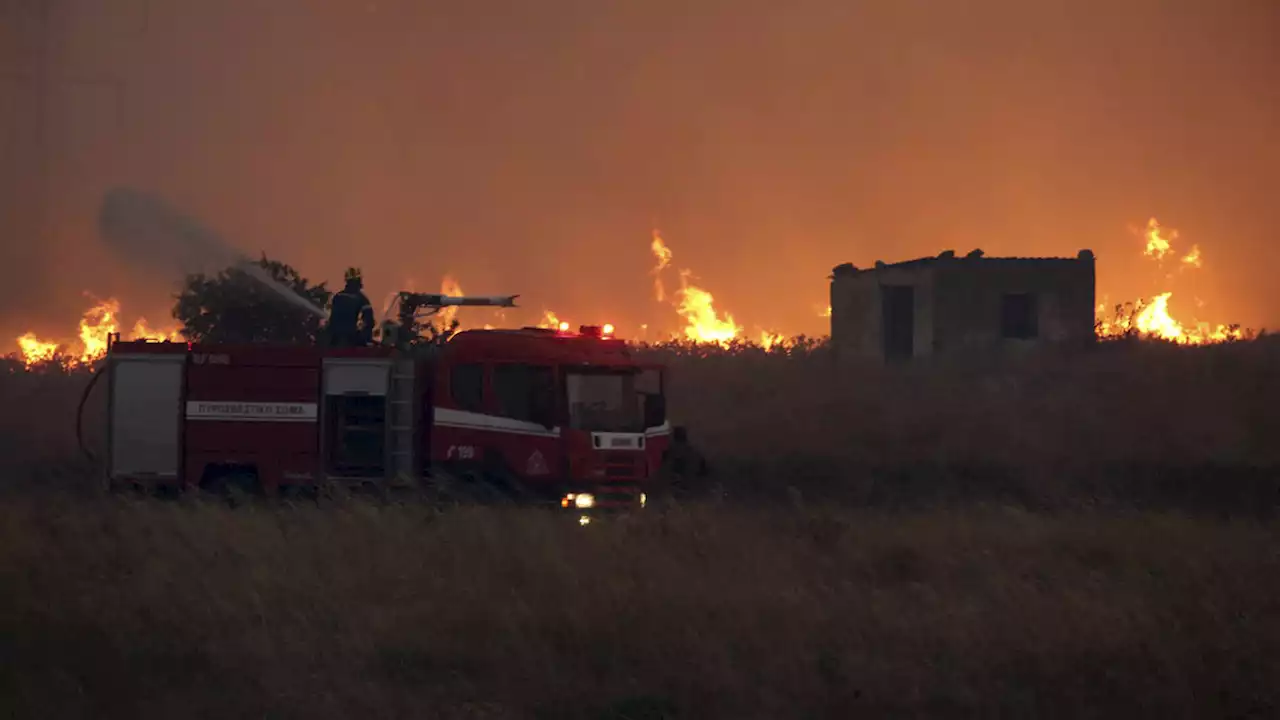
<point>404,416</point>
<point>402,421</point>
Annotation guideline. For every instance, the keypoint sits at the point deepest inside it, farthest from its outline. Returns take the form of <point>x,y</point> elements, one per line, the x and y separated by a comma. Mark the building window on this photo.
<point>466,386</point>
<point>1018,316</point>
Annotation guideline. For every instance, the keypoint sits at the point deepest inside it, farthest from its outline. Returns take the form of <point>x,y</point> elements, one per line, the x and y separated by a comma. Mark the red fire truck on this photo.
<point>527,415</point>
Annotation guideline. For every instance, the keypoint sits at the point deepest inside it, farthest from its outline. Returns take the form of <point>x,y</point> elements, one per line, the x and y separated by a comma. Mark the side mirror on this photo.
<point>680,435</point>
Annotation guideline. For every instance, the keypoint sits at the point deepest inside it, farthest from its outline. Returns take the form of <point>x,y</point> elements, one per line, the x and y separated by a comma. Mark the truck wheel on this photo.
<point>481,488</point>
<point>234,485</point>
<point>467,485</point>
<point>505,484</point>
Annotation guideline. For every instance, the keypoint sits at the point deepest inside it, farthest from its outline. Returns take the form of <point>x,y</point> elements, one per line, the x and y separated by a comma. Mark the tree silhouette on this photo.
<point>436,333</point>
<point>420,332</point>
<point>234,307</point>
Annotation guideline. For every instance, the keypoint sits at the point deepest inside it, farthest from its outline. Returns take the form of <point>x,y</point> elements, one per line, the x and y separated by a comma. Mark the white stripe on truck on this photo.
<point>448,417</point>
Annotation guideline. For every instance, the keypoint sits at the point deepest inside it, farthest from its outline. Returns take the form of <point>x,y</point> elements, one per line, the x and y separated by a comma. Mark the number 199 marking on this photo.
<point>461,452</point>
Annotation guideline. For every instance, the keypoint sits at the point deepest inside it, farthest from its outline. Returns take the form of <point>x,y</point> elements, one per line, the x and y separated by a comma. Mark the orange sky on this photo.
<point>527,147</point>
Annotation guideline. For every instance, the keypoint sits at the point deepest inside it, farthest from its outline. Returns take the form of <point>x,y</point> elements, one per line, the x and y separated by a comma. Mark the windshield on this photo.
<point>604,401</point>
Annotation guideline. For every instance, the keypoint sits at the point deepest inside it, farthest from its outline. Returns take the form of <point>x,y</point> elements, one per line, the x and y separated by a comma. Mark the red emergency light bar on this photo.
<point>591,331</point>
<point>596,331</point>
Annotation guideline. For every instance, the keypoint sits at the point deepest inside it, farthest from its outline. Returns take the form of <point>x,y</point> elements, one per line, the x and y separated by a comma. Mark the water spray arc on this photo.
<point>147,232</point>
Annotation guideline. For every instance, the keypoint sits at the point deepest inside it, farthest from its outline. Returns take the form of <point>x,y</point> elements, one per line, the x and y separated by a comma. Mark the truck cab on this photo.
<point>565,417</point>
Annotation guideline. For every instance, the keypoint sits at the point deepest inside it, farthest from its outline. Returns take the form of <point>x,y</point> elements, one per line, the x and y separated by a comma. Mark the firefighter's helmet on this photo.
<point>353,273</point>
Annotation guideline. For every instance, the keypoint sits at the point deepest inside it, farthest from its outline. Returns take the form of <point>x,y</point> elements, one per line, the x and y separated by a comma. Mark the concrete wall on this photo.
<point>856,331</point>
<point>970,295</point>
<point>958,304</point>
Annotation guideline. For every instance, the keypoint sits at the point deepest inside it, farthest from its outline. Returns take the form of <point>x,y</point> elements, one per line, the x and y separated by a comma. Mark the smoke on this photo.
<point>148,233</point>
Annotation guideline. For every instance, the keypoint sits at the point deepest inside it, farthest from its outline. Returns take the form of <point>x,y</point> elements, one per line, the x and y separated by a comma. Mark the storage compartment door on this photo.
<point>146,395</point>
<point>355,417</point>
<point>356,377</point>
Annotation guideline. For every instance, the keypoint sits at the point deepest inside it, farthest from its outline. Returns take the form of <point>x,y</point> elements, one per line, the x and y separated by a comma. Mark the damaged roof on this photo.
<point>949,256</point>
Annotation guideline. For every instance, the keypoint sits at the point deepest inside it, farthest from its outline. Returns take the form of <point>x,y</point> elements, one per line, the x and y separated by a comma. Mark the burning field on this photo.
<point>691,315</point>
<point>1151,317</point>
<point>99,322</point>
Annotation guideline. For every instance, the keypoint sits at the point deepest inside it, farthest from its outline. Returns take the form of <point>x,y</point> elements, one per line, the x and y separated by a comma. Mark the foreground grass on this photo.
<point>193,610</point>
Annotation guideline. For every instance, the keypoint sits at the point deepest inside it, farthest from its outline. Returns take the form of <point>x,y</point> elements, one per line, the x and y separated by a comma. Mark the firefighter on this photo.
<point>351,319</point>
<point>683,469</point>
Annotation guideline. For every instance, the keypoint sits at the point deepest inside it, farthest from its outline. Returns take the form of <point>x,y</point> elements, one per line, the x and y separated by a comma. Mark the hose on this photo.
<point>84,399</point>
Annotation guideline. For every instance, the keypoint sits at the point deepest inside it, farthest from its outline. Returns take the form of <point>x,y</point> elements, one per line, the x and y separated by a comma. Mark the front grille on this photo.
<point>623,466</point>
<point>617,498</point>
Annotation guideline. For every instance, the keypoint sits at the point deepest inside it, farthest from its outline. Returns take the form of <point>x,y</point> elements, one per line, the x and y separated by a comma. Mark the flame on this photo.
<point>1192,258</point>
<point>697,306</point>
<point>1157,244</point>
<point>96,326</point>
<point>1160,244</point>
<point>825,313</point>
<point>449,286</point>
<point>768,339</point>
<point>1154,319</point>
<point>143,331</point>
<point>35,351</point>
<point>663,253</point>
<point>553,321</point>
<point>1151,317</point>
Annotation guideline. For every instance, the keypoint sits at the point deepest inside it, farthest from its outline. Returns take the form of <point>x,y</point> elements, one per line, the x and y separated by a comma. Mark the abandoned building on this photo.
<point>947,305</point>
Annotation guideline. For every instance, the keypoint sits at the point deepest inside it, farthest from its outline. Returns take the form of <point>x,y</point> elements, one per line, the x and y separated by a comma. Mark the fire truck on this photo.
<point>529,415</point>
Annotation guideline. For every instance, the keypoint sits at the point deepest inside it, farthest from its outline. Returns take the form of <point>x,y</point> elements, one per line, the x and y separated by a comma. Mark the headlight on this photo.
<point>643,498</point>
<point>581,501</point>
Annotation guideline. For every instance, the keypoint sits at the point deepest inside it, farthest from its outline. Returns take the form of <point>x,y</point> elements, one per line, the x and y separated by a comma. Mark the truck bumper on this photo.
<point>602,498</point>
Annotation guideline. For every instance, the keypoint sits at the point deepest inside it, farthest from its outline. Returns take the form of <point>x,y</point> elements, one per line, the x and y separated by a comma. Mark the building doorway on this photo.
<point>898,321</point>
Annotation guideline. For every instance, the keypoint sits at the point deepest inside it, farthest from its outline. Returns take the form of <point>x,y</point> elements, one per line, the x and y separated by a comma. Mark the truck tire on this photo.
<point>235,484</point>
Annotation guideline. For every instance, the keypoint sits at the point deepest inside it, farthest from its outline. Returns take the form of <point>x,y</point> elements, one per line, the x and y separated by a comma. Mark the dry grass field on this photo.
<point>1088,536</point>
